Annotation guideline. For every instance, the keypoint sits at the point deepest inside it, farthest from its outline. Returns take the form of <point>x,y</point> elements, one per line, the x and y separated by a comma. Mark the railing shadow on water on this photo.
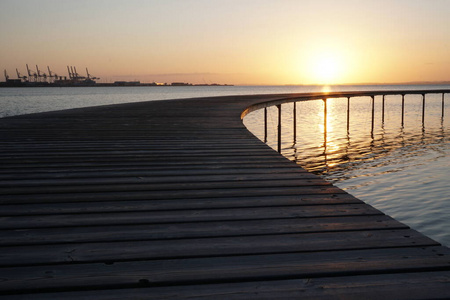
<point>351,131</point>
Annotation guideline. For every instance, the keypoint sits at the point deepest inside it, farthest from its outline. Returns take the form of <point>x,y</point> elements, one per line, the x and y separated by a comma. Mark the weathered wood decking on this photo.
<point>176,199</point>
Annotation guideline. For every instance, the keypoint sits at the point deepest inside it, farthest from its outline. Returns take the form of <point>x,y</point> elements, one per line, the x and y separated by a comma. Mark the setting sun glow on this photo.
<point>326,68</point>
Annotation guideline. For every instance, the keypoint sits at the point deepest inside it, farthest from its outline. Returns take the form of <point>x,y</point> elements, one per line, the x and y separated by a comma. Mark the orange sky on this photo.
<point>228,41</point>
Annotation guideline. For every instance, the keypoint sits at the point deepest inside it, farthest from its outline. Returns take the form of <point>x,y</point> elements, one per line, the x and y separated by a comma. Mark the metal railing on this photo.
<point>332,95</point>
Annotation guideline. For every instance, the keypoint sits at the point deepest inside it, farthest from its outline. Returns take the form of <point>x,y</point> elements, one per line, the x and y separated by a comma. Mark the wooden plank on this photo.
<point>131,135</point>
<point>191,215</point>
<point>119,158</point>
<point>400,286</point>
<point>137,146</point>
<point>72,147</point>
<point>162,186</point>
<point>155,161</point>
<point>20,151</point>
<point>175,204</point>
<point>178,178</point>
<point>223,270</point>
<point>252,166</point>
<point>150,172</point>
<point>111,233</point>
<point>142,185</point>
<point>168,195</point>
<point>210,247</point>
<point>133,155</point>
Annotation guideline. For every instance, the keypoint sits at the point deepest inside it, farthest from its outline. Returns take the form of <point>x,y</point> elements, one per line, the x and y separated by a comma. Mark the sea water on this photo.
<point>400,169</point>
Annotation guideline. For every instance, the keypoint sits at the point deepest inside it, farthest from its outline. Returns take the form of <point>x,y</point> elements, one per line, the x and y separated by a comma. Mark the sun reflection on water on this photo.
<point>326,89</point>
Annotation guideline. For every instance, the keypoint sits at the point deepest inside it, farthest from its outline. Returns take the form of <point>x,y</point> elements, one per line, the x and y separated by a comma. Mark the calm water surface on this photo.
<point>401,170</point>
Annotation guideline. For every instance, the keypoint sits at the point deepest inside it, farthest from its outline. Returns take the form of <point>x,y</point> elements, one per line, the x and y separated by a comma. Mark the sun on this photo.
<point>326,68</point>
<point>324,63</point>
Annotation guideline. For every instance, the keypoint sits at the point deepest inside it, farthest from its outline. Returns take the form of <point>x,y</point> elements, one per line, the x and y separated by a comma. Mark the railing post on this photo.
<point>279,128</point>
<point>403,109</point>
<point>348,114</point>
<point>443,105</point>
<point>325,116</point>
<point>382,111</point>
<point>265,124</point>
<point>325,129</point>
<point>373,112</point>
<point>295,122</point>
<point>423,109</point>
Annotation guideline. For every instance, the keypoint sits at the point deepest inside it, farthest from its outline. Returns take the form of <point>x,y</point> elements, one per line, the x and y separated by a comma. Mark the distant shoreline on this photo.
<point>138,84</point>
<point>5,85</point>
<point>128,84</point>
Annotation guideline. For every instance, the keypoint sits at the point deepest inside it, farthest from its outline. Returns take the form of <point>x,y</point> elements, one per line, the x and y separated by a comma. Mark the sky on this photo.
<point>241,42</point>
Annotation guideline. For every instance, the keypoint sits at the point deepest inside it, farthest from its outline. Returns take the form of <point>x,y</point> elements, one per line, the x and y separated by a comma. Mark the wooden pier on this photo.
<point>176,199</point>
